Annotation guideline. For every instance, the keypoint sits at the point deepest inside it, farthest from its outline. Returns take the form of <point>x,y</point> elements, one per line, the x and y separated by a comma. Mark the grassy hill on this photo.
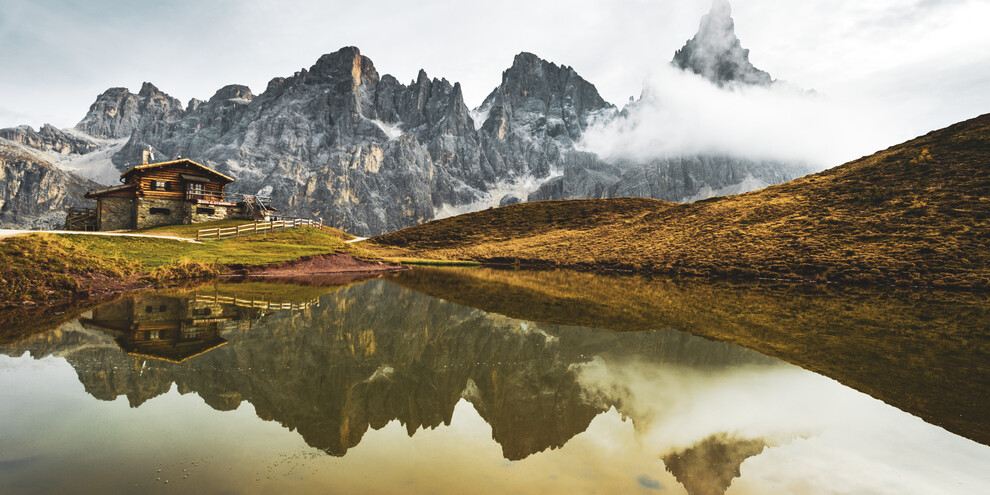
<point>914,214</point>
<point>40,267</point>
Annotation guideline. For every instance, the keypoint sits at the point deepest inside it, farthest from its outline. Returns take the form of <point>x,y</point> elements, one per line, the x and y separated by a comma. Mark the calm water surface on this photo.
<point>387,386</point>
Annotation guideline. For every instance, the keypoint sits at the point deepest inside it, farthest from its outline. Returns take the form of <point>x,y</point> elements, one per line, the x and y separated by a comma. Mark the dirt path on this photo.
<point>9,233</point>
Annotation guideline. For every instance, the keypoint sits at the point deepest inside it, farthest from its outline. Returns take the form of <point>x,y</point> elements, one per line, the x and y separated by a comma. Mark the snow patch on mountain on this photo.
<point>480,115</point>
<point>393,131</point>
<point>748,184</point>
<point>519,188</point>
<point>95,165</point>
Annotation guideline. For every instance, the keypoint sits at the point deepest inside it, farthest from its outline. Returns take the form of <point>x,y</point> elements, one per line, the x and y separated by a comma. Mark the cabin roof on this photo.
<point>101,192</point>
<point>183,161</point>
<point>176,355</point>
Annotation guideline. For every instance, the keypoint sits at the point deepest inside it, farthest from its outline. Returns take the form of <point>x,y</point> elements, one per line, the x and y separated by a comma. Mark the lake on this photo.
<point>501,381</point>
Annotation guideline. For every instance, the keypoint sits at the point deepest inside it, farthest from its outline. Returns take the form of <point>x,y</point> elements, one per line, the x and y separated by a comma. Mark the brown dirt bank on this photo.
<point>311,280</point>
<point>308,266</point>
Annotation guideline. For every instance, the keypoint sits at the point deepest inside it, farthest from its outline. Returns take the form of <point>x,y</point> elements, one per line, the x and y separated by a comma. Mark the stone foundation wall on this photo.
<point>219,213</point>
<point>127,213</point>
<point>115,213</point>
<point>178,212</point>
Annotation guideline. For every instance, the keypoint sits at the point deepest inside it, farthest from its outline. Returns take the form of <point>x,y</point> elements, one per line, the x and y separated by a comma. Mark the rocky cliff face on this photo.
<point>33,192</point>
<point>717,54</point>
<point>370,154</point>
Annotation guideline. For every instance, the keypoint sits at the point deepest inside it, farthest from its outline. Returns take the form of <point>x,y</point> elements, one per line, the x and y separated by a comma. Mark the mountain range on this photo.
<point>370,154</point>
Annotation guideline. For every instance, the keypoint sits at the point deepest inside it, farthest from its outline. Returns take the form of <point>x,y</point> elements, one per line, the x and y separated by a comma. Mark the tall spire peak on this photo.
<point>721,8</point>
<point>716,53</point>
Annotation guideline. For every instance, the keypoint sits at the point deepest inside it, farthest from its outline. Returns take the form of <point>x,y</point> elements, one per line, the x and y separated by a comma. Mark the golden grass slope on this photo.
<point>914,214</point>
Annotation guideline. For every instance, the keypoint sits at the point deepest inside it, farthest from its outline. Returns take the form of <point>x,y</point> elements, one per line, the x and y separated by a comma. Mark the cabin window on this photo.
<point>205,211</point>
<point>154,335</point>
<point>161,185</point>
<point>196,190</point>
<point>161,211</point>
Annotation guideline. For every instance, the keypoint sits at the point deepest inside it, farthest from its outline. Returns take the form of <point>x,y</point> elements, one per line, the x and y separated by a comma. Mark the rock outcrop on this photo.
<point>50,138</point>
<point>33,192</point>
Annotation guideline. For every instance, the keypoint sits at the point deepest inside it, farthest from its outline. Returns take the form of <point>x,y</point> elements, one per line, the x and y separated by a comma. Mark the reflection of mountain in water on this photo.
<point>709,467</point>
<point>375,352</point>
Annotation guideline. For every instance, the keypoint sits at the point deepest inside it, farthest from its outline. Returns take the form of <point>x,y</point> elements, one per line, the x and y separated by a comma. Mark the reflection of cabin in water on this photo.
<point>166,193</point>
<point>167,328</point>
<point>176,329</point>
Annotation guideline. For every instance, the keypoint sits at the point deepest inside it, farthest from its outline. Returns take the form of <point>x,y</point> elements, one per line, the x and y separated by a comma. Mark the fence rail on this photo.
<point>255,303</point>
<point>258,227</point>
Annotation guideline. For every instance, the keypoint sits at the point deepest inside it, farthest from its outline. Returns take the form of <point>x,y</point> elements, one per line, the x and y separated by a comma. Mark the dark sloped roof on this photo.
<point>183,161</point>
<point>101,192</point>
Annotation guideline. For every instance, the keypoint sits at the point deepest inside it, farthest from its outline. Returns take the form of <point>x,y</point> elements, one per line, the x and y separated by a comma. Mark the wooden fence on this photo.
<point>258,227</point>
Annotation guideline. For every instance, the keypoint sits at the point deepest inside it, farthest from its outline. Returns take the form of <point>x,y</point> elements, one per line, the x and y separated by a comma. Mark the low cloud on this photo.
<point>681,113</point>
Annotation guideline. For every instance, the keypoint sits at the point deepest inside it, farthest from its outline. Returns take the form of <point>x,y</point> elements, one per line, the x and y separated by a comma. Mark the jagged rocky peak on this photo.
<point>117,112</point>
<point>542,98</point>
<point>346,65</point>
<point>49,138</point>
<point>717,54</point>
<point>232,92</point>
<point>194,103</point>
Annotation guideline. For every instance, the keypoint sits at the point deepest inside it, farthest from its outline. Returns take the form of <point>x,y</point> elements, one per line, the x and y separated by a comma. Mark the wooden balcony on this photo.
<point>206,196</point>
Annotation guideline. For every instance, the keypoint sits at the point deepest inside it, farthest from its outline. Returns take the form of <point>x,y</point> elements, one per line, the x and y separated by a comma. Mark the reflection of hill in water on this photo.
<point>925,352</point>
<point>376,352</point>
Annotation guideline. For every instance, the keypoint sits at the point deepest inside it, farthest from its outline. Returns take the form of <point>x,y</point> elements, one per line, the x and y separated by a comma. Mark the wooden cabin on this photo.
<point>169,193</point>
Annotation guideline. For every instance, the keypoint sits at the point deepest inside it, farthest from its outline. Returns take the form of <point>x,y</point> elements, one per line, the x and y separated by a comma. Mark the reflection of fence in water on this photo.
<point>255,303</point>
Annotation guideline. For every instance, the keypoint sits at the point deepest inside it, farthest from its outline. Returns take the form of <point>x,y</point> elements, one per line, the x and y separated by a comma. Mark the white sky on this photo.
<point>928,59</point>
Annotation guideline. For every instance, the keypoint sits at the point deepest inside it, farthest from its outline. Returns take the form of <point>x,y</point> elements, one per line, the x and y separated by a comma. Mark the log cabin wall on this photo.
<point>175,186</point>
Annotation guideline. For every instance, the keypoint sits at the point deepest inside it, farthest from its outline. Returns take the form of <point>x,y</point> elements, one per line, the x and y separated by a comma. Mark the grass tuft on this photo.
<point>183,270</point>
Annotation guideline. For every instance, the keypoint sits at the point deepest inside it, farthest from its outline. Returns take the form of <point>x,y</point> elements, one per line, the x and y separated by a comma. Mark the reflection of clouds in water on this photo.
<point>829,438</point>
<point>648,482</point>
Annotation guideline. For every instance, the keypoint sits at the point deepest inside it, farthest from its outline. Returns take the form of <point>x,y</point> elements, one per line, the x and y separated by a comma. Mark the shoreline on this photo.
<point>101,288</point>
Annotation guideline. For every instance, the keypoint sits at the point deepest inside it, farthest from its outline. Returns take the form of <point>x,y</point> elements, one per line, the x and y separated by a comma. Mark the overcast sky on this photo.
<point>927,59</point>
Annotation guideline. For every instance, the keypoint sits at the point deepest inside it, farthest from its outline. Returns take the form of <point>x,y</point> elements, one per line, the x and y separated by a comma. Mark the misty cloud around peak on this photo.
<point>683,114</point>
